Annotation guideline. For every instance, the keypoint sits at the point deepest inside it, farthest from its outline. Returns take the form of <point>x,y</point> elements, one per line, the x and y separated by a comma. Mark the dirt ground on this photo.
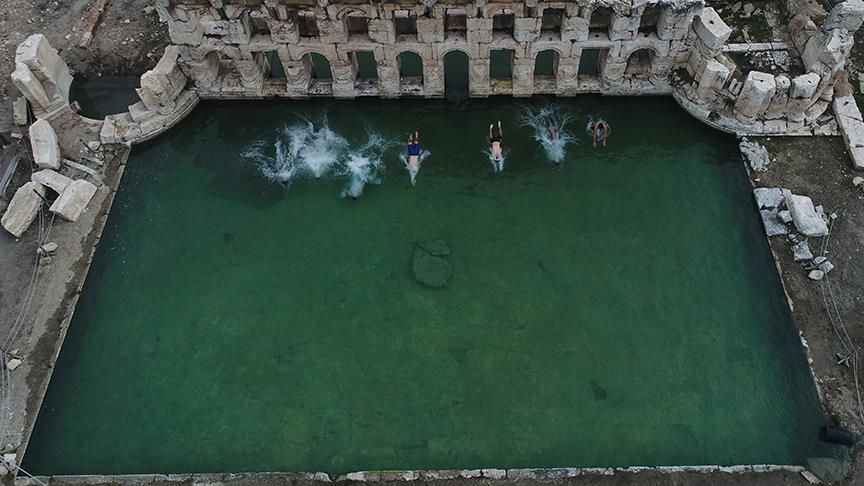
<point>129,40</point>
<point>820,168</point>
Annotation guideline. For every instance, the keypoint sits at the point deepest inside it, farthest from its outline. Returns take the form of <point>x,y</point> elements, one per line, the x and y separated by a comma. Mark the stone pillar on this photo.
<point>478,78</point>
<point>523,77</point>
<point>332,31</point>
<point>574,29</point>
<point>713,78</point>
<point>777,106</point>
<point>382,31</point>
<point>343,79</point>
<point>756,94</point>
<point>566,84</point>
<point>42,76</point>
<point>433,78</point>
<point>299,73</point>
<point>284,31</point>
<point>161,85</point>
<point>674,23</point>
<point>802,94</point>
<point>711,33</point>
<point>526,29</point>
<point>201,67</point>
<point>479,30</point>
<point>430,30</point>
<point>388,79</point>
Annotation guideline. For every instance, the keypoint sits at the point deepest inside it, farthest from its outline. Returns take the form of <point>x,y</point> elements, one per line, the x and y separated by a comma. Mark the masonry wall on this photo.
<point>229,48</point>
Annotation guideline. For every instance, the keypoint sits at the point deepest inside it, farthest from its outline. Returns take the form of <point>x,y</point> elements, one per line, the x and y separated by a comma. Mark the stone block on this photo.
<point>73,200</point>
<point>43,139</point>
<point>382,30</point>
<point>846,15</point>
<point>19,111</point>
<point>284,31</point>
<point>827,51</point>
<point>51,179</point>
<point>711,29</point>
<point>23,208</point>
<point>526,29</point>
<point>804,86</point>
<point>804,216</point>
<point>236,31</point>
<point>332,31</point>
<point>574,29</point>
<point>42,76</point>
<point>479,30</point>
<point>430,30</point>
<point>756,94</point>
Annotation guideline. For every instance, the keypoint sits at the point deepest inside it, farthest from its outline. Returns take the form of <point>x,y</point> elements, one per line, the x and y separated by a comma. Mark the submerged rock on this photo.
<point>805,217</point>
<point>434,247</point>
<point>432,271</point>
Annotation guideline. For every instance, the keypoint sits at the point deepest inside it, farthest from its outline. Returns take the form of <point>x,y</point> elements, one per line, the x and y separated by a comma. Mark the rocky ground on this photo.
<point>128,41</point>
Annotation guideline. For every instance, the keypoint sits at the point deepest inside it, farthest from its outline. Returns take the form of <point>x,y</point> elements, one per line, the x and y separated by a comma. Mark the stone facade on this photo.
<point>230,49</point>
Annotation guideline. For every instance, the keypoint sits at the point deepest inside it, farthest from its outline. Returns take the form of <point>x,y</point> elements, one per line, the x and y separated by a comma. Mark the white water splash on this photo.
<point>364,165</point>
<point>550,130</point>
<point>300,150</point>
<point>497,162</point>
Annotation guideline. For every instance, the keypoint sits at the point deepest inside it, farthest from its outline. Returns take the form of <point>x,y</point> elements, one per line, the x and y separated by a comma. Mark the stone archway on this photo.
<point>456,75</point>
<point>410,69</point>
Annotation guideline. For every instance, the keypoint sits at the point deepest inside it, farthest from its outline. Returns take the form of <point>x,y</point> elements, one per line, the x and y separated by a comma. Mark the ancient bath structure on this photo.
<point>299,49</point>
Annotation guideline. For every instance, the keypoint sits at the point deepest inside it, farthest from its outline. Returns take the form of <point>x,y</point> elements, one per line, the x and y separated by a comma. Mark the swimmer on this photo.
<point>600,126</point>
<point>413,165</point>
<point>497,153</point>
<point>553,134</point>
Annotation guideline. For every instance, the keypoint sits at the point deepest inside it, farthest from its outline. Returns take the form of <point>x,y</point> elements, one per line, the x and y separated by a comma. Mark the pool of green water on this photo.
<point>621,309</point>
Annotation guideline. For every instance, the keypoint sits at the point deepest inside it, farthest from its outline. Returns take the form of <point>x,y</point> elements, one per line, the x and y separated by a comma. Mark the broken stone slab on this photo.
<point>756,154</point>
<point>434,247</point>
<point>52,179</point>
<point>46,151</point>
<point>773,225</point>
<point>768,197</point>
<point>49,247</point>
<point>13,363</point>
<point>19,111</point>
<point>801,252</point>
<point>23,208</point>
<point>816,275</point>
<point>74,199</point>
<point>785,216</point>
<point>826,266</point>
<point>804,215</point>
<point>431,271</point>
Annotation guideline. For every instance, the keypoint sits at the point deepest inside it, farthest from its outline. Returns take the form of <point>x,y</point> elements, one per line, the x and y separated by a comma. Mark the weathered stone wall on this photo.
<point>631,50</point>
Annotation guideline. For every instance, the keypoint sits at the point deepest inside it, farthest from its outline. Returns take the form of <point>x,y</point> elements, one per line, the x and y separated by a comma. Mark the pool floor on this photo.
<point>621,309</point>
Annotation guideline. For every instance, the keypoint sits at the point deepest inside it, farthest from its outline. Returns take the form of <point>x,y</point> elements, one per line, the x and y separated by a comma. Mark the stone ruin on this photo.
<point>252,49</point>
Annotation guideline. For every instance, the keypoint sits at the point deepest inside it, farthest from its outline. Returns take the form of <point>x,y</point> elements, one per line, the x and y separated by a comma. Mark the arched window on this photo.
<point>318,66</point>
<point>601,20</point>
<point>456,75</point>
<point>410,72</point>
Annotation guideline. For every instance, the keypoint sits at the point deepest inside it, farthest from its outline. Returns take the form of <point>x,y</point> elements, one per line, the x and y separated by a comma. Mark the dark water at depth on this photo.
<point>621,310</point>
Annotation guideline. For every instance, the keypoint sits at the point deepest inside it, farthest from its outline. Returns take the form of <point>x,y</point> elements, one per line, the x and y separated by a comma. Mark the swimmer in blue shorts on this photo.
<point>413,165</point>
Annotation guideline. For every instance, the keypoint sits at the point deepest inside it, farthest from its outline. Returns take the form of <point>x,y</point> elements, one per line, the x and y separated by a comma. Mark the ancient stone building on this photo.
<point>346,49</point>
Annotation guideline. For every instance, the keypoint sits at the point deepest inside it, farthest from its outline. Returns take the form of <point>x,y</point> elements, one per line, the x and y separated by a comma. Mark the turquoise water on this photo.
<point>621,308</point>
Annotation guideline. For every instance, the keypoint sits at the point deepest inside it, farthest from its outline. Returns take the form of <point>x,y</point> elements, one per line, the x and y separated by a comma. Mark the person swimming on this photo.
<point>600,131</point>
<point>496,151</point>
<point>413,164</point>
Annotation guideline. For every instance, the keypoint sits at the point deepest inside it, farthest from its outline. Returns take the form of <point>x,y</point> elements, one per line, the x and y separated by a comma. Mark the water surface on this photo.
<point>619,309</point>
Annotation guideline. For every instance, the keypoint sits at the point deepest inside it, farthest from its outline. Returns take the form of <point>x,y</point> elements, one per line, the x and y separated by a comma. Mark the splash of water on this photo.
<point>550,130</point>
<point>497,162</point>
<point>364,165</point>
<point>300,150</point>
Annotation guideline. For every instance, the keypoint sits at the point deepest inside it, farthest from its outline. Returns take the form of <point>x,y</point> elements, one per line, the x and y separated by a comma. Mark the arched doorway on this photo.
<point>410,70</point>
<point>456,75</point>
<point>319,67</point>
<point>640,62</point>
<point>545,71</point>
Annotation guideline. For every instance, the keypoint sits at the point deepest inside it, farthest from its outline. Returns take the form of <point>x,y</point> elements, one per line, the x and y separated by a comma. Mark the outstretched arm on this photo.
<point>500,130</point>
<point>416,137</point>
